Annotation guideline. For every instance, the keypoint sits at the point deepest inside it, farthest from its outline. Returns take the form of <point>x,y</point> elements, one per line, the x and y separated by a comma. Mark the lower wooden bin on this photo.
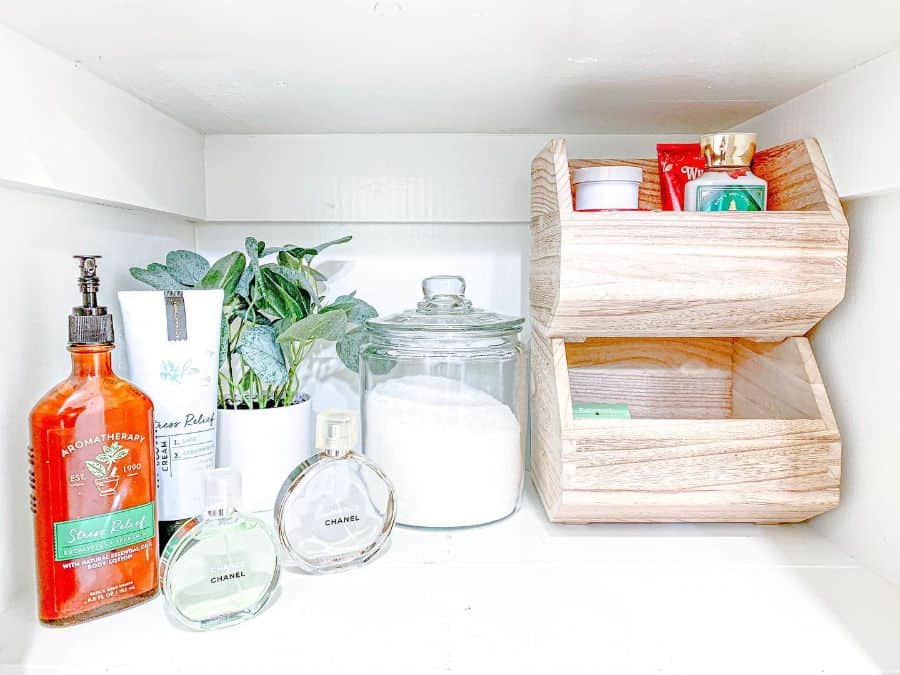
<point>722,429</point>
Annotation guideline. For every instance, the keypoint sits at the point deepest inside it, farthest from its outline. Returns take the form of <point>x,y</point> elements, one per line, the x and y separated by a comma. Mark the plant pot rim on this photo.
<point>304,400</point>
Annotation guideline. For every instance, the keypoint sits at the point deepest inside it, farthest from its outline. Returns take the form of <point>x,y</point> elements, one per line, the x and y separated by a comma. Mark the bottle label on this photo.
<point>97,534</point>
<point>731,198</point>
<point>185,451</point>
<point>603,411</point>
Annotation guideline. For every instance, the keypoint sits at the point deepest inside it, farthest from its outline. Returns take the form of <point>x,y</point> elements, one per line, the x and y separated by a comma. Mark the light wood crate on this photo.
<point>695,321</point>
<point>763,275</point>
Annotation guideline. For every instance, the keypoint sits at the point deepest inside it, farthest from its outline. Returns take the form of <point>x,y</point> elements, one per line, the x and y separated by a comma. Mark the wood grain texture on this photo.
<point>659,378</point>
<point>551,409</point>
<point>771,453</point>
<point>765,276</point>
<point>799,179</point>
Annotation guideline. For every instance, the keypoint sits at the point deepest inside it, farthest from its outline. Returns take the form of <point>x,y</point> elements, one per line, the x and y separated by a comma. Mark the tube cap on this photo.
<point>336,430</point>
<point>222,489</point>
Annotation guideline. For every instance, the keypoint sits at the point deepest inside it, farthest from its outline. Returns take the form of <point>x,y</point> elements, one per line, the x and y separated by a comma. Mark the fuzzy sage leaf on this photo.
<point>157,276</point>
<point>260,351</point>
<point>225,274</point>
<point>187,267</point>
<point>329,326</point>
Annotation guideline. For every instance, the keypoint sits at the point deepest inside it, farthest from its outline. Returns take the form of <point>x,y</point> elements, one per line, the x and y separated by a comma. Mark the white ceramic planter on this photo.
<point>265,446</point>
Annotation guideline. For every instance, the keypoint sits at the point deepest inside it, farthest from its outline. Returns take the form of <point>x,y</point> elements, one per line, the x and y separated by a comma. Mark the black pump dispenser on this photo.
<point>89,324</point>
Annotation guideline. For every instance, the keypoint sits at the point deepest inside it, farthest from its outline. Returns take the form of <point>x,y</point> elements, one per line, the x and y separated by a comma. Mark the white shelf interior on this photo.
<point>525,595</point>
<point>125,135</point>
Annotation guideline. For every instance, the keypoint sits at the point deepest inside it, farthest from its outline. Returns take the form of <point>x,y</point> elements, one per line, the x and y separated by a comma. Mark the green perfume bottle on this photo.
<point>221,568</point>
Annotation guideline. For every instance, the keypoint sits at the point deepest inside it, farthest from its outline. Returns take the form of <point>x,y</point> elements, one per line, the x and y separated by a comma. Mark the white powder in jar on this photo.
<point>453,452</point>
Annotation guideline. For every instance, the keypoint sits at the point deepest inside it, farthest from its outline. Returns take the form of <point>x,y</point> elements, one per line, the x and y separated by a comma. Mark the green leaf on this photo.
<point>345,307</point>
<point>243,284</point>
<point>263,355</point>
<point>254,248</point>
<point>287,260</point>
<point>349,350</point>
<point>95,468</point>
<point>330,326</point>
<point>359,310</point>
<point>120,454</point>
<point>316,274</point>
<point>225,274</point>
<point>282,296</point>
<point>298,278</point>
<point>287,248</point>
<point>299,252</point>
<point>157,276</point>
<point>349,346</point>
<point>224,338</point>
<point>329,244</point>
<point>253,316</point>
<point>187,267</point>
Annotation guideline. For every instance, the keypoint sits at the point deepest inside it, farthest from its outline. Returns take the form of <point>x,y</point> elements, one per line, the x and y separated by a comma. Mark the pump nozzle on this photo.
<point>88,282</point>
<point>89,323</point>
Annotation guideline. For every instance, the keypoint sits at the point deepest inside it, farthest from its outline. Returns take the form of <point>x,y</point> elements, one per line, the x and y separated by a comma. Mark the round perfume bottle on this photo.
<point>336,510</point>
<point>221,568</point>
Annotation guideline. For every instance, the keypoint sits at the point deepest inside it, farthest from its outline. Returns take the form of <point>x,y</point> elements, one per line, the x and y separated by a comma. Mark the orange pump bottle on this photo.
<point>93,479</point>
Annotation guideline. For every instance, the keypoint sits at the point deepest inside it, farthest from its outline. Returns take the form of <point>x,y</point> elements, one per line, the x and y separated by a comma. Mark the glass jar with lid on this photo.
<point>444,401</point>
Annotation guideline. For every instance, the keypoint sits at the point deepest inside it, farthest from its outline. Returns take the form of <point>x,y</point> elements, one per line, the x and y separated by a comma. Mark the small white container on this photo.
<point>607,187</point>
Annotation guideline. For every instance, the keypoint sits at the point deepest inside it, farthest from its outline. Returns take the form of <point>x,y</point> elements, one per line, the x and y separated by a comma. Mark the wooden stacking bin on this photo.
<point>696,322</point>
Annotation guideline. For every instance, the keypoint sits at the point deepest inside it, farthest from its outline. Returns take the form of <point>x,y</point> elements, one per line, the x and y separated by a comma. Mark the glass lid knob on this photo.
<point>445,293</point>
<point>443,284</point>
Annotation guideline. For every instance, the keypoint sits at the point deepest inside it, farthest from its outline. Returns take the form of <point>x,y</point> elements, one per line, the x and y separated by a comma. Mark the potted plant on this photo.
<point>273,315</point>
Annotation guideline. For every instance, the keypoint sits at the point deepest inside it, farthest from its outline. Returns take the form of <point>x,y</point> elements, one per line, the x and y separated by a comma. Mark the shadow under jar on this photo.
<point>444,402</point>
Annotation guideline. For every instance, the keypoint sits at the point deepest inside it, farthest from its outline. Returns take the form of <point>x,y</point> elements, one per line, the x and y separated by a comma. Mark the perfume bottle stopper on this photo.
<point>336,432</point>
<point>222,490</point>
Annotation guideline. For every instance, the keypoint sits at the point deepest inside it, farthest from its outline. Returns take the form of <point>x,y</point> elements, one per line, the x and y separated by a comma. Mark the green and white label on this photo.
<point>106,532</point>
<point>731,198</point>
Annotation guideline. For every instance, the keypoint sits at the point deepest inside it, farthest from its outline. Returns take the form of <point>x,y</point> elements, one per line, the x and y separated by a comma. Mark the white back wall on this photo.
<point>856,350</point>
<point>42,233</point>
<point>389,178</point>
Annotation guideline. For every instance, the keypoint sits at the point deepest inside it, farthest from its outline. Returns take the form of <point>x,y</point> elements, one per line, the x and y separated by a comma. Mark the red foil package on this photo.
<point>678,163</point>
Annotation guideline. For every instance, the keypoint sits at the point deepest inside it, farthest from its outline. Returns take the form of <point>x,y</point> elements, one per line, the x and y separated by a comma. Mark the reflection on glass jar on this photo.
<point>444,408</point>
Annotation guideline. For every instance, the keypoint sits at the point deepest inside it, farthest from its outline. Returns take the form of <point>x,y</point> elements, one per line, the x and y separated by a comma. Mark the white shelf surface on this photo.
<point>525,595</point>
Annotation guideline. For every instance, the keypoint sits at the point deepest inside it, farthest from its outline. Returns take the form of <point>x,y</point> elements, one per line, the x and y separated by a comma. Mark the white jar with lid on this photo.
<point>607,187</point>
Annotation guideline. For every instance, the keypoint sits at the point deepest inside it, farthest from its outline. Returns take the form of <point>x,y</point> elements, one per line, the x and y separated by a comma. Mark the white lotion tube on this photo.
<point>172,343</point>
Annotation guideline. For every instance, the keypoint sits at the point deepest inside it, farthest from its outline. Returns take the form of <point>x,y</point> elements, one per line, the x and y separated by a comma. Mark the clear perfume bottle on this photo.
<point>336,510</point>
<point>222,567</point>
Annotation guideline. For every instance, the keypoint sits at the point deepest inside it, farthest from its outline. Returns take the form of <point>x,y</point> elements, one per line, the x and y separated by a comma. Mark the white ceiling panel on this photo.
<point>576,66</point>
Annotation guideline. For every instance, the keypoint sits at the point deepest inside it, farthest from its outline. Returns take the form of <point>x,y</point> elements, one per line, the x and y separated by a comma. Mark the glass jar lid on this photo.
<point>446,310</point>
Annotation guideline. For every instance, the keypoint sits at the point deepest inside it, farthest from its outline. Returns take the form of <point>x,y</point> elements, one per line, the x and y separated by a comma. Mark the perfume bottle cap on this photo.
<point>336,430</point>
<point>222,489</point>
<point>728,150</point>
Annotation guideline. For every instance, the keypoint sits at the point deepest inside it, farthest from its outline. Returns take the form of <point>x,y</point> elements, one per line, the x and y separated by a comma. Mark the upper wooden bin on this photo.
<point>764,276</point>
